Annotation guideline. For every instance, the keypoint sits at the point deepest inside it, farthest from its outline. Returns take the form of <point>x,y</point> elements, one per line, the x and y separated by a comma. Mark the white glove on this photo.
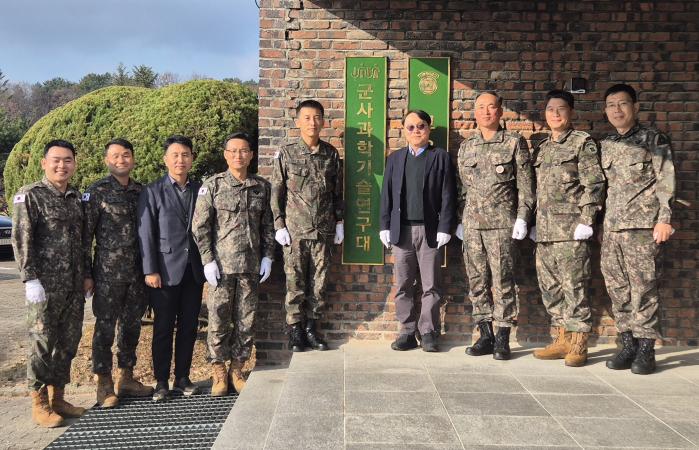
<point>519,231</point>
<point>265,269</point>
<point>532,233</point>
<point>282,236</point>
<point>582,232</point>
<point>385,236</point>
<point>460,231</point>
<point>211,273</point>
<point>339,233</point>
<point>442,239</point>
<point>35,292</point>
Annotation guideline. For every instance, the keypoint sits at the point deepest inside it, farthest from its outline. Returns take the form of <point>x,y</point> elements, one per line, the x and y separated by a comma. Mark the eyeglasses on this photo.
<point>412,128</point>
<point>243,151</point>
<point>620,105</point>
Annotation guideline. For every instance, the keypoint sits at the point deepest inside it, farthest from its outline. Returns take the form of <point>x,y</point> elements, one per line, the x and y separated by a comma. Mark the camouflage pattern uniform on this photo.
<point>569,191</point>
<point>47,241</point>
<point>495,188</point>
<point>641,189</point>
<point>120,291</point>
<point>233,226</point>
<point>307,200</point>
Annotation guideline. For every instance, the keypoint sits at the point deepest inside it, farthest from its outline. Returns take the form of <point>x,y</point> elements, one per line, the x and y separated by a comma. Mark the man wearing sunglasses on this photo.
<point>417,213</point>
<point>495,202</point>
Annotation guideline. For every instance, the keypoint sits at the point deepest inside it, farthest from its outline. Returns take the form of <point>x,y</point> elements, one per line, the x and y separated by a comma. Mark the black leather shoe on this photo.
<point>627,354</point>
<point>185,386</point>
<point>162,392</point>
<point>297,338</point>
<point>484,344</point>
<point>429,342</point>
<point>313,338</point>
<point>644,363</point>
<point>404,342</point>
<point>501,345</point>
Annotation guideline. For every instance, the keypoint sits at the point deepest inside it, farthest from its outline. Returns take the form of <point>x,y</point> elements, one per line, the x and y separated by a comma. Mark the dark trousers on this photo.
<point>175,306</point>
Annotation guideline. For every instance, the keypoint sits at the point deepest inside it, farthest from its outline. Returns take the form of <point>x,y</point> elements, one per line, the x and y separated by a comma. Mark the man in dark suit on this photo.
<point>172,265</point>
<point>418,205</point>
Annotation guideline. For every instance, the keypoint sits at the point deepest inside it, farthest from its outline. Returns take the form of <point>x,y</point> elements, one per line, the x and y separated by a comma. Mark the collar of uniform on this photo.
<point>498,137</point>
<point>116,185</point>
<point>562,138</point>
<point>233,181</point>
<point>306,150</point>
<point>634,129</point>
<point>70,190</point>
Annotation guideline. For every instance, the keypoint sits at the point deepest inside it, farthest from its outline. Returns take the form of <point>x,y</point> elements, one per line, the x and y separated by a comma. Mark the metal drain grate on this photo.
<point>139,423</point>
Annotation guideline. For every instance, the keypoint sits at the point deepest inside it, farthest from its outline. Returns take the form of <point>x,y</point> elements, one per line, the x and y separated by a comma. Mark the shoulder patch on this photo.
<point>86,197</point>
<point>203,190</point>
<point>19,198</point>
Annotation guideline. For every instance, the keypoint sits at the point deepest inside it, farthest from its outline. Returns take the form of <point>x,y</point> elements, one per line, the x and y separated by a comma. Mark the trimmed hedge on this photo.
<point>205,110</point>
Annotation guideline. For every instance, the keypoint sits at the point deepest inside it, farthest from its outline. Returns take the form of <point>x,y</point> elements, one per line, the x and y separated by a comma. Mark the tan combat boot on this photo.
<point>62,407</point>
<point>577,356</point>
<point>42,414</point>
<point>219,387</point>
<point>236,376</point>
<point>558,349</point>
<point>105,391</point>
<point>128,386</point>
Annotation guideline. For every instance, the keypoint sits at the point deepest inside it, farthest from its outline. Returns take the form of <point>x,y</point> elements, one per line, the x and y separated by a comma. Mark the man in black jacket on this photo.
<point>418,204</point>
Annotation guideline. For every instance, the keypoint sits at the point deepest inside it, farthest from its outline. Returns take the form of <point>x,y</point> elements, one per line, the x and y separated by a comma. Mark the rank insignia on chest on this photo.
<point>86,197</point>
<point>19,198</point>
<point>203,190</point>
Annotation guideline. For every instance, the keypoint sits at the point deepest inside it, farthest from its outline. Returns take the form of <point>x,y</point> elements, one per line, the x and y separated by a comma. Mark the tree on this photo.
<point>121,76</point>
<point>3,83</point>
<point>166,79</point>
<point>93,81</point>
<point>144,76</point>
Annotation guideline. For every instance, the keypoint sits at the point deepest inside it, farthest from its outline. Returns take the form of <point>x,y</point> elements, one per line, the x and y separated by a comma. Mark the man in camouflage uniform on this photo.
<point>569,194</point>
<point>109,208</point>
<point>495,206</point>
<point>637,161</point>
<point>308,207</point>
<point>47,242</point>
<point>234,231</point>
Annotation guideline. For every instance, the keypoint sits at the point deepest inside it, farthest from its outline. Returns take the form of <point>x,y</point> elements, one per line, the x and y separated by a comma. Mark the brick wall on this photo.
<point>522,49</point>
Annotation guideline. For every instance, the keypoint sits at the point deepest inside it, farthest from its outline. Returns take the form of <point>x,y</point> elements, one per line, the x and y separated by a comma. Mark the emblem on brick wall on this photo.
<point>428,82</point>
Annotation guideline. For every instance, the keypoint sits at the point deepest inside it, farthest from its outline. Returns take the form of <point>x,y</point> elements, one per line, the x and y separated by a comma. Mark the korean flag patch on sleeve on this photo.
<point>86,197</point>
<point>19,198</point>
<point>203,190</point>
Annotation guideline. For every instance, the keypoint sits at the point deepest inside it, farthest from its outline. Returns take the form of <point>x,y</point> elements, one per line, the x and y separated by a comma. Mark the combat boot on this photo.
<point>128,386</point>
<point>501,347</point>
<point>105,391</point>
<point>627,354</point>
<point>62,407</point>
<point>313,338</point>
<point>297,338</point>
<point>219,386</point>
<point>236,376</point>
<point>577,356</point>
<point>644,363</point>
<point>42,414</point>
<point>558,349</point>
<point>484,344</point>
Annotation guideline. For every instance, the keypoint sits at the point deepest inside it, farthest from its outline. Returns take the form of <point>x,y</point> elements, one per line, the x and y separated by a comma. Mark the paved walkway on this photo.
<point>365,396</point>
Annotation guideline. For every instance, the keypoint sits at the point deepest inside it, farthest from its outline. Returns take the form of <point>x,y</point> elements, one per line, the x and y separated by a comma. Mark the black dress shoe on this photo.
<point>429,342</point>
<point>162,392</point>
<point>297,338</point>
<point>313,338</point>
<point>185,386</point>
<point>404,342</point>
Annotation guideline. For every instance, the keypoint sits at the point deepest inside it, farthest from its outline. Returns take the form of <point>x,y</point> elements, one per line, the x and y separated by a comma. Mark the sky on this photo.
<point>43,39</point>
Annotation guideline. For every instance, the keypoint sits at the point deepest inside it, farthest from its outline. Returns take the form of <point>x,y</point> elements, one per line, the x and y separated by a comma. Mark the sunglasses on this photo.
<point>412,128</point>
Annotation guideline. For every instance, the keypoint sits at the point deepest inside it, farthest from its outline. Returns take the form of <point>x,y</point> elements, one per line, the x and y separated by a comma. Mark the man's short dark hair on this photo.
<point>238,135</point>
<point>563,95</point>
<point>498,99</point>
<point>622,87</point>
<point>59,143</point>
<point>311,104</point>
<point>178,139</point>
<point>421,114</point>
<point>118,141</point>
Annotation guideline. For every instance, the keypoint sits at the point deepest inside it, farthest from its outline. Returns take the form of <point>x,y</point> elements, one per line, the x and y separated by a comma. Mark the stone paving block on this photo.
<point>476,382</point>
<point>635,433</point>
<point>512,431</point>
<point>572,405</point>
<point>654,384</point>
<point>389,380</point>
<point>311,361</point>
<point>306,432</point>
<point>687,428</point>
<point>362,402</point>
<point>675,407</point>
<point>397,429</point>
<point>465,364</point>
<point>492,404</point>
<point>565,385</point>
<point>380,360</point>
<point>367,446</point>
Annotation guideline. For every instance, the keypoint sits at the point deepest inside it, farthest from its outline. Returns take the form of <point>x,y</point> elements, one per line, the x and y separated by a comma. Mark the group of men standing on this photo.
<point>158,243</point>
